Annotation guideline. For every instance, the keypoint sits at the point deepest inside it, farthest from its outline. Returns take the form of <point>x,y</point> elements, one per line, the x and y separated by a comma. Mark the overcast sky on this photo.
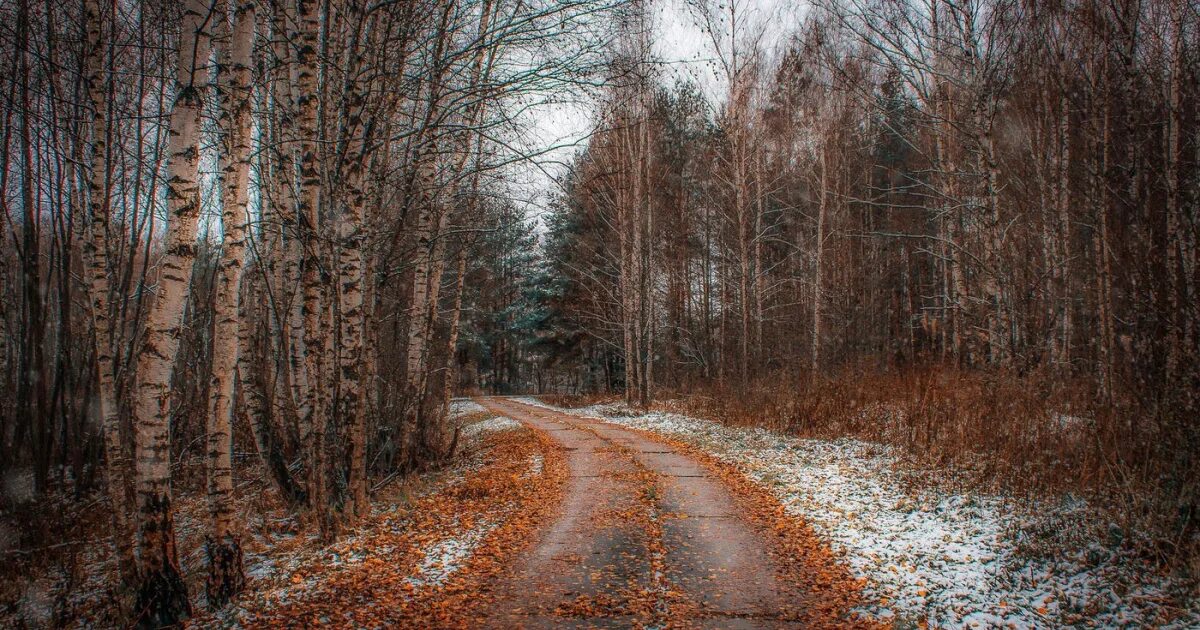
<point>686,54</point>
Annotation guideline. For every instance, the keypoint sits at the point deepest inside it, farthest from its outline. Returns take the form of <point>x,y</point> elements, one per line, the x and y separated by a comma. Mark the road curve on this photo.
<point>644,536</point>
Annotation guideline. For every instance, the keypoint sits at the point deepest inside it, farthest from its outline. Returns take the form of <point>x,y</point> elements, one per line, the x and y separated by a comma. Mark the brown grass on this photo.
<point>571,401</point>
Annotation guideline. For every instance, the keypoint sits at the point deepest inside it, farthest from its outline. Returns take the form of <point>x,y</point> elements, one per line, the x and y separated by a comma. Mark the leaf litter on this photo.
<point>427,560</point>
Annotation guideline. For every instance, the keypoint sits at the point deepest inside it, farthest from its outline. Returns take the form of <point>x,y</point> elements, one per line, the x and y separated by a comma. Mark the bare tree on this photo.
<point>162,596</point>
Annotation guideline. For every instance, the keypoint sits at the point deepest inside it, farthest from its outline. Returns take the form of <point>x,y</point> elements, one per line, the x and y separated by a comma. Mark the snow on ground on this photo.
<point>955,560</point>
<point>444,558</point>
<point>496,423</point>
<point>460,407</point>
<point>604,411</point>
<point>272,566</point>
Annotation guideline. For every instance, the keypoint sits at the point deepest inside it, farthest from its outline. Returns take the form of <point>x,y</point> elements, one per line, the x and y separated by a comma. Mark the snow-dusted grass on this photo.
<point>440,561</point>
<point>496,423</point>
<point>957,560</point>
<point>460,407</point>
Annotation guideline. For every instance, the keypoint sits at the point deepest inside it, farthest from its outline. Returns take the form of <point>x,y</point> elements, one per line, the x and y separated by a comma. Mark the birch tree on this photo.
<point>225,576</point>
<point>162,594</point>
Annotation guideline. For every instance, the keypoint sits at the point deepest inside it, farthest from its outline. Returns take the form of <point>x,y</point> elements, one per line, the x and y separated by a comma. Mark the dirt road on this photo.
<point>645,534</point>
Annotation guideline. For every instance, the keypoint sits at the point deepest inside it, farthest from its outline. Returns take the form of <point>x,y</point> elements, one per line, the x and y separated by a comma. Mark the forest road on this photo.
<point>645,535</point>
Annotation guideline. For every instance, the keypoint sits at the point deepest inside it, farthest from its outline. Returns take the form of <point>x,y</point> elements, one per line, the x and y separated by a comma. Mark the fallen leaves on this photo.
<point>432,565</point>
<point>802,558</point>
<point>827,593</point>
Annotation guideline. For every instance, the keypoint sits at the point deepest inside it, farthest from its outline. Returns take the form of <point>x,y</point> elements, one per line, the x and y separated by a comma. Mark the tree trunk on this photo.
<point>256,403</point>
<point>760,276</point>
<point>1101,244</point>
<point>312,413</point>
<point>1175,274</point>
<point>225,575</point>
<point>95,252</point>
<point>818,267</point>
<point>351,275</point>
<point>452,338</point>
<point>1062,356</point>
<point>162,594</point>
<point>419,328</point>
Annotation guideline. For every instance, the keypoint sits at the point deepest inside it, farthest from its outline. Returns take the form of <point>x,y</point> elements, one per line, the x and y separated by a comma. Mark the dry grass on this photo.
<point>571,401</point>
<point>1139,459</point>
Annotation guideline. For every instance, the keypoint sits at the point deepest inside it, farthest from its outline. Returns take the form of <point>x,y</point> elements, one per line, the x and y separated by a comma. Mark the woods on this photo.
<point>940,225</point>
<point>919,174</point>
<point>228,228</point>
<point>255,247</point>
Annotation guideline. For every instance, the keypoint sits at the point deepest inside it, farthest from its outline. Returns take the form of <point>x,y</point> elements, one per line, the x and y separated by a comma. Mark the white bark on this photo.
<point>163,596</point>
<point>225,561</point>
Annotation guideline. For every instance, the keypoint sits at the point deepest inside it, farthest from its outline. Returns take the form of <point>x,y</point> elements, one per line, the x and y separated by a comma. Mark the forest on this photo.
<point>273,270</point>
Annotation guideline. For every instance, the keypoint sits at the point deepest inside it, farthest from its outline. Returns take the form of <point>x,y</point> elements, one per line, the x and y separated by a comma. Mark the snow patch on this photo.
<point>446,557</point>
<point>497,423</point>
<point>460,407</point>
<point>601,411</point>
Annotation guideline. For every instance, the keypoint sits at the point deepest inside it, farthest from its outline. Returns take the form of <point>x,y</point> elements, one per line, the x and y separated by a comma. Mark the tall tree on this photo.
<point>162,595</point>
<point>225,576</point>
<point>96,253</point>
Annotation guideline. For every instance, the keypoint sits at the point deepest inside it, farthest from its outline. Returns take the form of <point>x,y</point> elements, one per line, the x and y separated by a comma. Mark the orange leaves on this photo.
<point>428,564</point>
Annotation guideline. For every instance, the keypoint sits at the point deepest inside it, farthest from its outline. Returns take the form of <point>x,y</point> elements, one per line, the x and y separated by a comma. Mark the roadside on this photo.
<point>928,554</point>
<point>422,558</point>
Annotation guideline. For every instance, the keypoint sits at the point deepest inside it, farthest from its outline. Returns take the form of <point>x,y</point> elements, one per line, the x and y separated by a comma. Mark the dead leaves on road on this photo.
<point>502,504</point>
<point>801,557</point>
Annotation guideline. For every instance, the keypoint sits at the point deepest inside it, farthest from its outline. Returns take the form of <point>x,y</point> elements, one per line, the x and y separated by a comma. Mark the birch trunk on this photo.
<point>760,276</point>
<point>999,332</point>
<point>1062,355</point>
<point>418,328</point>
<point>312,414</point>
<point>629,225</point>
<point>641,250</point>
<point>646,297</point>
<point>419,331</point>
<point>256,403</point>
<point>225,575</point>
<point>162,594</point>
<point>738,225</point>
<point>627,307</point>
<point>287,316</point>
<point>1100,241</point>
<point>452,341</point>
<point>481,66</point>
<point>350,281</point>
<point>818,270</point>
